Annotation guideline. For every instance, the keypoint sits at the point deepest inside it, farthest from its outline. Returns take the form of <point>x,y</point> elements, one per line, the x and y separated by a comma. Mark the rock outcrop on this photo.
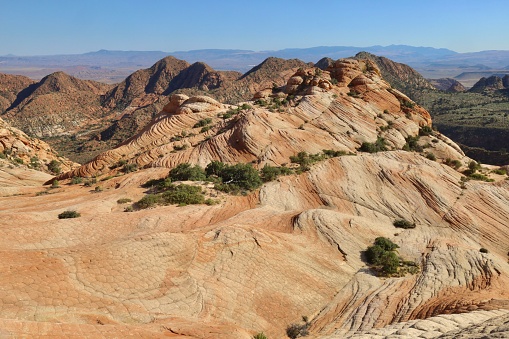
<point>492,83</point>
<point>448,85</point>
<point>291,252</point>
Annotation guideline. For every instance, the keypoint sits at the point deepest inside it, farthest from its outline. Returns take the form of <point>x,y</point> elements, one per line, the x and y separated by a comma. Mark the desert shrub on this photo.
<point>180,148</point>
<point>297,330</point>
<point>34,162</point>
<point>215,168</point>
<point>408,104</point>
<point>2,155</point>
<point>150,200</point>
<point>18,161</point>
<point>76,180</point>
<point>329,153</point>
<point>500,171</point>
<point>205,129</point>
<point>386,244</point>
<point>123,201</point>
<point>98,189</point>
<point>108,177</point>
<point>203,122</point>
<point>54,167</point>
<point>425,130</point>
<point>480,177</point>
<point>187,172</point>
<point>211,202</point>
<point>89,182</point>
<point>453,163</point>
<point>412,144</point>
<point>402,223</point>
<point>129,209</point>
<point>377,146</point>
<point>260,335</point>
<point>483,250</point>
<point>242,175</point>
<point>183,195</point>
<point>382,254</point>
<point>55,184</point>
<point>269,173</point>
<point>128,168</point>
<point>68,214</point>
<point>431,156</point>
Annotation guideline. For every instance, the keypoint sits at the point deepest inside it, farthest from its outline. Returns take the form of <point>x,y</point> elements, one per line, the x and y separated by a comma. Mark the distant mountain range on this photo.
<point>115,66</point>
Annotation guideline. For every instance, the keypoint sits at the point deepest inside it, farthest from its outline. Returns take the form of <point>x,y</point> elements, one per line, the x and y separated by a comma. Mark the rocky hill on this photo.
<point>492,83</point>
<point>448,85</point>
<point>58,104</point>
<point>19,150</point>
<point>10,86</point>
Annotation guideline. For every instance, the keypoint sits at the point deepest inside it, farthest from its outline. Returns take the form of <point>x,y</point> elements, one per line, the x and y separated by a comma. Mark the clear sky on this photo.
<point>36,27</point>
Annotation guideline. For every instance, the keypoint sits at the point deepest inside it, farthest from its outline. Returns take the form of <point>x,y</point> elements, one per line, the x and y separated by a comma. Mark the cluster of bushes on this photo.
<point>174,194</point>
<point>471,172</point>
<point>383,256</point>
<point>298,330</point>
<point>377,146</point>
<point>276,104</point>
<point>412,144</point>
<point>235,111</point>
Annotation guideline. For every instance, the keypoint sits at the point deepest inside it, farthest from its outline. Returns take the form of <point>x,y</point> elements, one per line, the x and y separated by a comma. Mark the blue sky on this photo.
<point>39,27</point>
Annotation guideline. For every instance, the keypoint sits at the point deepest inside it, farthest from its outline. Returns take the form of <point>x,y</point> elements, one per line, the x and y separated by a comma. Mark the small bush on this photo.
<point>425,130</point>
<point>401,223</point>
<point>150,200</point>
<point>54,167</point>
<point>203,122</point>
<point>500,171</point>
<point>128,168</point>
<point>129,209</point>
<point>382,254</point>
<point>386,244</point>
<point>55,184</point>
<point>98,189</point>
<point>453,163</point>
<point>260,336</point>
<point>377,146</point>
<point>18,161</point>
<point>483,250</point>
<point>431,156</point>
<point>269,173</point>
<point>123,201</point>
<point>412,144</point>
<point>68,215</point>
<point>297,330</point>
<point>76,180</point>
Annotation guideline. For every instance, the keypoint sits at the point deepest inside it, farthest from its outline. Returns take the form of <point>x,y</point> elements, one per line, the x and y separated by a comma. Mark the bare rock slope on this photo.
<point>293,248</point>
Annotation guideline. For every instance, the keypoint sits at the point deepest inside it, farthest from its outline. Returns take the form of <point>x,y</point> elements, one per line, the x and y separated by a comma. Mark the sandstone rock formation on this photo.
<point>491,83</point>
<point>10,87</point>
<point>19,149</point>
<point>290,250</point>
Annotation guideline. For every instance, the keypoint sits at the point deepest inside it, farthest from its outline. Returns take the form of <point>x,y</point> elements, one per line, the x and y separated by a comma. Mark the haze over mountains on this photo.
<point>114,66</point>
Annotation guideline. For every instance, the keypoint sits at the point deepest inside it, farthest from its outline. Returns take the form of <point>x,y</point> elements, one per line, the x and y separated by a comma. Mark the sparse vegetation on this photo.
<point>203,122</point>
<point>431,156</point>
<point>453,163</point>
<point>297,330</point>
<point>128,168</point>
<point>55,184</point>
<point>76,180</point>
<point>68,214</point>
<point>54,167</point>
<point>377,146</point>
<point>123,201</point>
<point>186,172</point>
<point>260,335</point>
<point>402,223</point>
<point>270,173</point>
<point>412,144</point>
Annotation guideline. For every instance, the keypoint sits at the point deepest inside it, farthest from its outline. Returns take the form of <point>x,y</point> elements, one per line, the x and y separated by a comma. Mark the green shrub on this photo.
<point>55,184</point>
<point>500,171</point>
<point>203,122</point>
<point>2,155</point>
<point>180,148</point>
<point>150,200</point>
<point>377,146</point>
<point>480,177</point>
<point>453,163</point>
<point>401,223</point>
<point>98,189</point>
<point>76,180</point>
<point>129,209</point>
<point>183,195</point>
<point>269,173</point>
<point>123,201</point>
<point>215,168</point>
<point>18,161</point>
<point>260,336</point>
<point>186,172</point>
<point>68,214</point>
<point>297,330</point>
<point>54,167</point>
<point>241,175</point>
<point>386,244</point>
<point>431,156</point>
<point>128,168</point>
<point>205,129</point>
<point>425,130</point>
<point>412,144</point>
